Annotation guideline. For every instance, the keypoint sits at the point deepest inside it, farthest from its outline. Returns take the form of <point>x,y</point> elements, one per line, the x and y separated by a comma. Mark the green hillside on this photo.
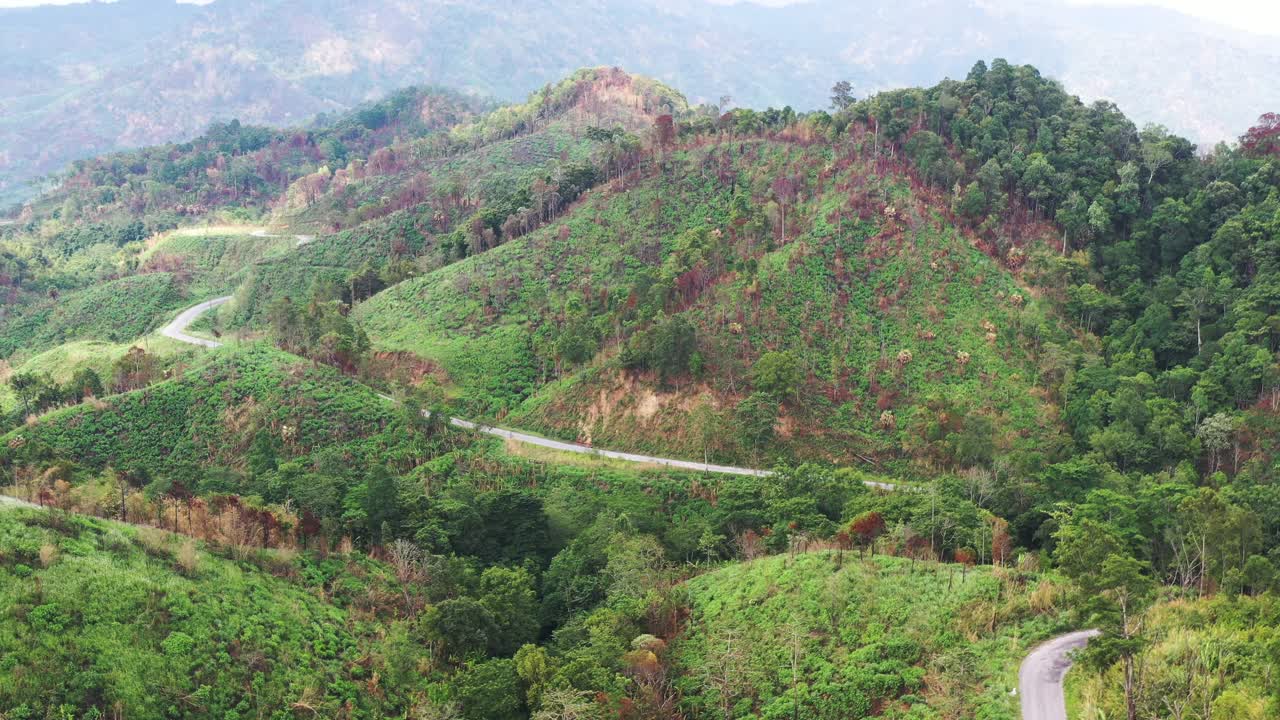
<point>880,306</point>
<point>212,414</point>
<point>103,617</point>
<point>114,311</point>
<point>157,625</point>
<point>1008,338</point>
<point>107,217</point>
<point>423,202</point>
<point>823,636</point>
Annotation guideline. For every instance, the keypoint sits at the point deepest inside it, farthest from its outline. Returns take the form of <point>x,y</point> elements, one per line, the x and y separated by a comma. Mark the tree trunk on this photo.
<point>1130,702</point>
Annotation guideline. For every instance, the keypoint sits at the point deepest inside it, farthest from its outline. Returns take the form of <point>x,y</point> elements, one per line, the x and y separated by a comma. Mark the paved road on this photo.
<point>302,239</point>
<point>11,502</point>
<point>177,331</point>
<point>178,328</point>
<point>612,454</point>
<point>1040,677</point>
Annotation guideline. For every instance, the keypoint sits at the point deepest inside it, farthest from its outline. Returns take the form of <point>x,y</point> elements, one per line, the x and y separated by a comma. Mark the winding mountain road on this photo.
<point>178,328</point>
<point>1040,677</point>
<point>178,331</point>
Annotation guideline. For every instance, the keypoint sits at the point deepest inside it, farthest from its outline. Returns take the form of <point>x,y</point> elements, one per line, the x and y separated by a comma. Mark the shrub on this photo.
<point>178,645</point>
<point>778,374</point>
<point>48,619</point>
<point>188,558</point>
<point>48,555</point>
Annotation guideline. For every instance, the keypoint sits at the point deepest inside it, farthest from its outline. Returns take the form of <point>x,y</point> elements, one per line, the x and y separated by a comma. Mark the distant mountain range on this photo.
<point>80,80</point>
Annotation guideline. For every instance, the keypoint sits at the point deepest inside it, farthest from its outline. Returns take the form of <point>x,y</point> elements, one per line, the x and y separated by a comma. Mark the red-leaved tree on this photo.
<point>1263,139</point>
<point>866,528</point>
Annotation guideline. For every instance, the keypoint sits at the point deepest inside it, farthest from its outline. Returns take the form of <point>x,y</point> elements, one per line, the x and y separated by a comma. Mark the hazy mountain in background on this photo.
<point>83,79</point>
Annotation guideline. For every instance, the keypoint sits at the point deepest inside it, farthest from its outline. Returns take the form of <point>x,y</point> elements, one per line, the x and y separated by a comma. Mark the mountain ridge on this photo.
<point>177,73</point>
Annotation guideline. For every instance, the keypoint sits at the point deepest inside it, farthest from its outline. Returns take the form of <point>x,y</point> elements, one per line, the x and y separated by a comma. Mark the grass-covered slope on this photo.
<point>1211,658</point>
<point>209,416</point>
<point>434,199</point>
<point>101,616</point>
<point>213,259</point>
<point>815,637</point>
<point>895,323</point>
<point>60,364</point>
<point>115,311</point>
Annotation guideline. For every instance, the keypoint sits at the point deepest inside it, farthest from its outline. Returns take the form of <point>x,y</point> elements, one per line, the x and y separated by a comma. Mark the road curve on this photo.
<point>612,454</point>
<point>177,331</point>
<point>302,239</point>
<point>1040,677</point>
<point>178,328</point>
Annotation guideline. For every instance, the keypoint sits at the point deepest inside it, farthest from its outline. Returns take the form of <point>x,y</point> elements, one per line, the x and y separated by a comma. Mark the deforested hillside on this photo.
<point>81,79</point>
<point>184,216</point>
<point>238,165</point>
<point>421,203</point>
<point>776,286</point>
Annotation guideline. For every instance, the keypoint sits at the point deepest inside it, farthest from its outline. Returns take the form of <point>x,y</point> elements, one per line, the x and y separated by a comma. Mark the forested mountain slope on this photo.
<point>112,220</point>
<point>1052,332</point>
<point>146,72</point>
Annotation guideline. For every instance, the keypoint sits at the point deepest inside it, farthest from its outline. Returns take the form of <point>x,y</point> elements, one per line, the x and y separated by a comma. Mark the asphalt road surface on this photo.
<point>178,328</point>
<point>7,502</point>
<point>1040,677</point>
<point>302,239</point>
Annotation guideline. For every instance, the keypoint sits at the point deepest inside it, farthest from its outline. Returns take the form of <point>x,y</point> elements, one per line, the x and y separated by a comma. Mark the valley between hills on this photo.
<point>611,405</point>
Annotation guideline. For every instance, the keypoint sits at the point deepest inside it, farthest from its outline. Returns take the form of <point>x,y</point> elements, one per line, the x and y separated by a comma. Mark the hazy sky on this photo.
<point>1259,16</point>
